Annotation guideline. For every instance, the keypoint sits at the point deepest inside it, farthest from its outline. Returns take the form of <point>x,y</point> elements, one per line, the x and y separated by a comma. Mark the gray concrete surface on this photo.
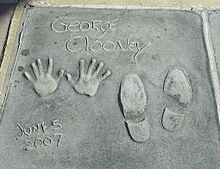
<point>78,121</point>
<point>214,18</point>
<point>6,12</point>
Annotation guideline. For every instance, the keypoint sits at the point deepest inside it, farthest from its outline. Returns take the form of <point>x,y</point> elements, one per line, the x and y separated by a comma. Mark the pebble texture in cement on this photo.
<point>67,111</point>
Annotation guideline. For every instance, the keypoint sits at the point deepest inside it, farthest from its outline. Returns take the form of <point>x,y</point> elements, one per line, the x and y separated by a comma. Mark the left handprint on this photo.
<point>44,84</point>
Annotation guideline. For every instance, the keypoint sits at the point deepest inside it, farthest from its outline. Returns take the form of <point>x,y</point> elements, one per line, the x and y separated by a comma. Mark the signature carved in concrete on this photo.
<point>44,84</point>
<point>88,83</point>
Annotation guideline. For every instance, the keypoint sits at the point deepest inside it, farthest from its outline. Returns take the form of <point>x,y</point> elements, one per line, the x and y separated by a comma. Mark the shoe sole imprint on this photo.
<point>133,100</point>
<point>176,85</point>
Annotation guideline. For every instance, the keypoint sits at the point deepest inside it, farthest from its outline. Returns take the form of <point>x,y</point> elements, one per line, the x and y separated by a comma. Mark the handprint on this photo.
<point>44,84</point>
<point>88,83</point>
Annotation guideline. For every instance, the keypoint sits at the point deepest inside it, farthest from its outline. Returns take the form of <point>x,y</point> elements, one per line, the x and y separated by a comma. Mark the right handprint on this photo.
<point>88,83</point>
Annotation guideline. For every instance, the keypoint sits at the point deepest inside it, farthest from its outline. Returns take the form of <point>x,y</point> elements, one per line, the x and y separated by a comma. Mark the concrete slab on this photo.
<point>214,18</point>
<point>136,92</point>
